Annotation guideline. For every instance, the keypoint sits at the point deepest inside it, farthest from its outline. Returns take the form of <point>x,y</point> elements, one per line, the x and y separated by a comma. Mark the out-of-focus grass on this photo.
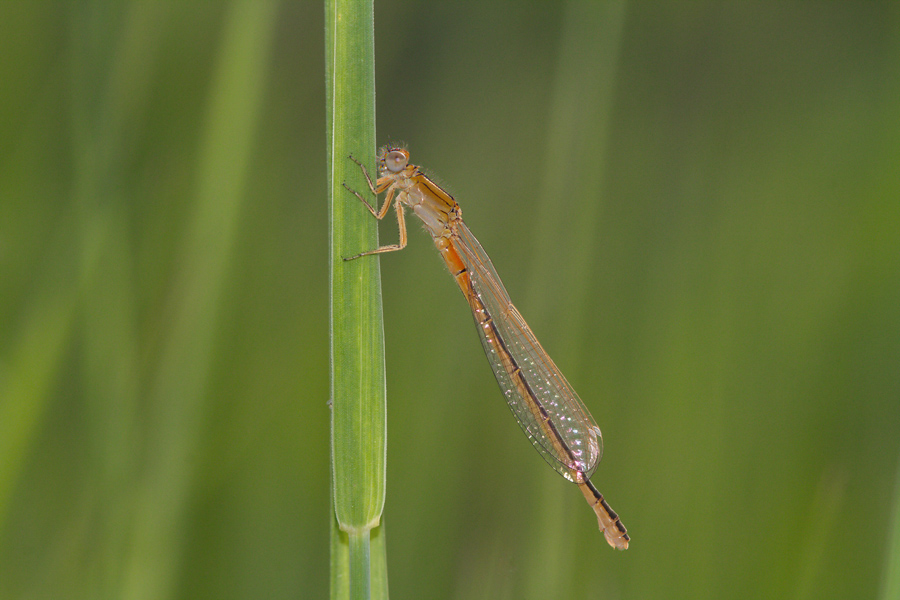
<point>722,290</point>
<point>890,585</point>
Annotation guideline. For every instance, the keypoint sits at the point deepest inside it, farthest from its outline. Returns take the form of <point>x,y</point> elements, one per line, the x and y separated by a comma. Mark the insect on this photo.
<point>544,404</point>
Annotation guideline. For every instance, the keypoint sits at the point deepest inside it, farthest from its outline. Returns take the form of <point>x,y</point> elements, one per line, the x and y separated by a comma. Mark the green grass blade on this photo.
<point>357,341</point>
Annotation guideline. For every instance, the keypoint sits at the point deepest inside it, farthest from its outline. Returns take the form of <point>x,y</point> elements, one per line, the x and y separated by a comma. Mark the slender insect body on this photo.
<point>546,407</point>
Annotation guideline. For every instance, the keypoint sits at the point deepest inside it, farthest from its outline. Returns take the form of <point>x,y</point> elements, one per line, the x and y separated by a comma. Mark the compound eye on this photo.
<point>396,160</point>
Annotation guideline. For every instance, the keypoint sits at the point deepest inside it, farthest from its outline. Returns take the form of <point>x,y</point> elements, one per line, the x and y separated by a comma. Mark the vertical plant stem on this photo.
<point>357,342</point>
<point>360,569</point>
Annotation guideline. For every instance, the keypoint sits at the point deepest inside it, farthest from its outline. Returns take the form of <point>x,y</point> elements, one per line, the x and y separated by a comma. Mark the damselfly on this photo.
<point>545,405</point>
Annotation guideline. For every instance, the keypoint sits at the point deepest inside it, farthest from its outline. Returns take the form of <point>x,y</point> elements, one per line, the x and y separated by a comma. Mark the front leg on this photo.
<point>384,183</point>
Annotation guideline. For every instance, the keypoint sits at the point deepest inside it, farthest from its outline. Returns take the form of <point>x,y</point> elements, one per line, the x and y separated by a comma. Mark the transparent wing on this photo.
<point>545,405</point>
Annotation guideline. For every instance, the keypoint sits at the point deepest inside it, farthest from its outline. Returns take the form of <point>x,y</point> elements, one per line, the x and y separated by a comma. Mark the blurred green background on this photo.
<point>695,205</point>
